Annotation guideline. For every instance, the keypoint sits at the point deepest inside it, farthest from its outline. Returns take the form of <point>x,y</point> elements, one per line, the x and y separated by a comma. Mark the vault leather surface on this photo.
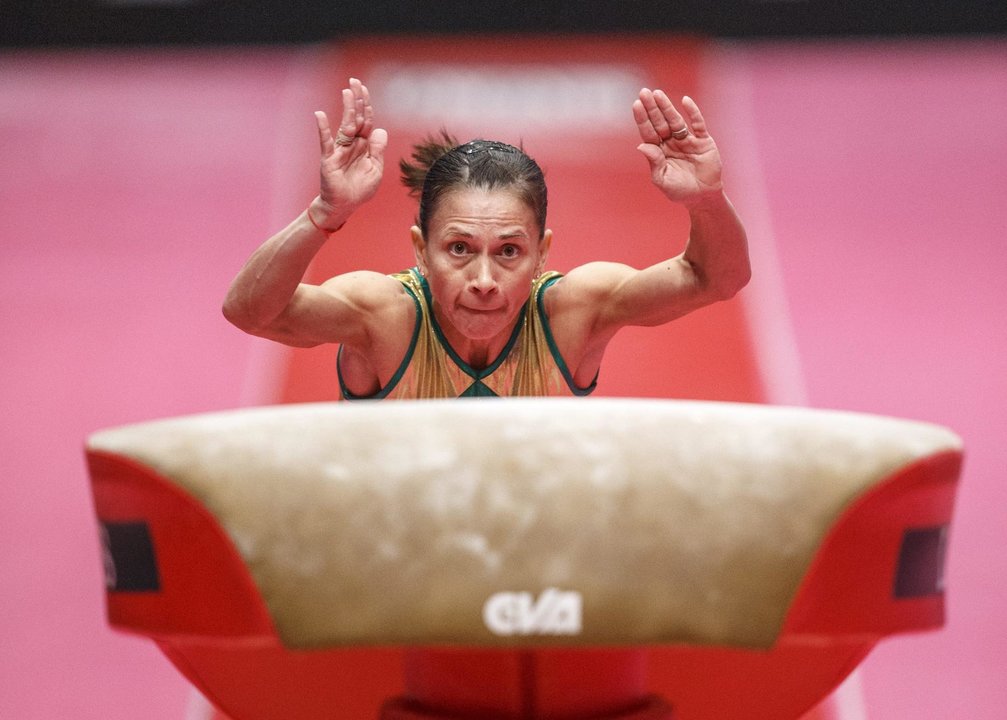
<point>392,523</point>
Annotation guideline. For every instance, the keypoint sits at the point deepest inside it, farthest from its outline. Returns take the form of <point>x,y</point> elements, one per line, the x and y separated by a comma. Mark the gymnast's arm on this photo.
<point>268,298</point>
<point>685,166</point>
<point>594,301</point>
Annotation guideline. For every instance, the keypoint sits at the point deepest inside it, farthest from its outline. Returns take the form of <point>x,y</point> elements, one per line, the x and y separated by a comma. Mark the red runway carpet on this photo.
<point>568,102</point>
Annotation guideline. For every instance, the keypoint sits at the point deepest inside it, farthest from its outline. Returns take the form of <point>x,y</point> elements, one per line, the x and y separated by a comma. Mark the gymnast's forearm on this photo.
<point>267,283</point>
<point>717,249</point>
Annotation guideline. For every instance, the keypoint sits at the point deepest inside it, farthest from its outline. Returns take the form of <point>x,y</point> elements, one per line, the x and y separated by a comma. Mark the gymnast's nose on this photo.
<point>483,280</point>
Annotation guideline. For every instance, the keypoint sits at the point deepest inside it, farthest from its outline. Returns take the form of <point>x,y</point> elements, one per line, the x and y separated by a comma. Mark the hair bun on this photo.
<point>425,154</point>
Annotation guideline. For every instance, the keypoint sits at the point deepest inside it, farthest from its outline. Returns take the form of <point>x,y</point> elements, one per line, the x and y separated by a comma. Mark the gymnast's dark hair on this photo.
<point>441,165</point>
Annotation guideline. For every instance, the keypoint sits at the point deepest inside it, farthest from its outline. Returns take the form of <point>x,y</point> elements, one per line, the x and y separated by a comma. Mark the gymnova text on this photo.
<point>555,612</point>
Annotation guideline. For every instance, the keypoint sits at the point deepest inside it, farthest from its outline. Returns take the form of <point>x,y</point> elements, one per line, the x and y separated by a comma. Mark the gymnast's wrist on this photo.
<point>324,217</point>
<point>710,199</point>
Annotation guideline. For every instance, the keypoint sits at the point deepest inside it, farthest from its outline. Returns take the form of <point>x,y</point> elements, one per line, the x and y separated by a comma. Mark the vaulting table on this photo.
<point>624,559</point>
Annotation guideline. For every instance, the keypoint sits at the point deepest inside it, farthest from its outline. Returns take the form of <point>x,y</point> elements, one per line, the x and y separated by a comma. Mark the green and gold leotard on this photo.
<point>530,363</point>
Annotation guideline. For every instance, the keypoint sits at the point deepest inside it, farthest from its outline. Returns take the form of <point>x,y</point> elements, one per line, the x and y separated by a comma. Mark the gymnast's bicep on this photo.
<point>347,309</point>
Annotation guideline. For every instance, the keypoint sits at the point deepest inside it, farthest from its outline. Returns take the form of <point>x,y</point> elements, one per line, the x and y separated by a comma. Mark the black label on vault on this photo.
<point>130,563</point>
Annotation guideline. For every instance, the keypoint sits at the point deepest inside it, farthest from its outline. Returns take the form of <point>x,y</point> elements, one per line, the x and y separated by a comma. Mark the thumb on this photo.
<point>653,154</point>
<point>655,157</point>
<point>324,132</point>
<point>377,143</point>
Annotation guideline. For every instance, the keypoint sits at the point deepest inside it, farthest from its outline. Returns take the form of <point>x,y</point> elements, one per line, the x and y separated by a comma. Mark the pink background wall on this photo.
<point>884,174</point>
<point>871,175</point>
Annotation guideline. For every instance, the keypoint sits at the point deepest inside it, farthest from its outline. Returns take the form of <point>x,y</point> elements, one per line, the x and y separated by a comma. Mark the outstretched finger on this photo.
<point>368,124</point>
<point>358,104</point>
<point>643,123</point>
<point>327,145</point>
<point>348,124</point>
<point>696,121</point>
<point>669,113</point>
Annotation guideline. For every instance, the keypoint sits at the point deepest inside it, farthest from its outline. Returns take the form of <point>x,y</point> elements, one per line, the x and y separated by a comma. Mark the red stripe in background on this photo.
<point>602,207</point>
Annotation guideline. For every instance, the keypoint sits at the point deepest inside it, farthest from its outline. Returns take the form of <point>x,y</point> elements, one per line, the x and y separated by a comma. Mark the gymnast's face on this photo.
<point>481,253</point>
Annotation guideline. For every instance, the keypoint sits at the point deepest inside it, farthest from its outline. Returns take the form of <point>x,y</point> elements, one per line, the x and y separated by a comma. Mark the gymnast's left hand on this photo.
<point>684,160</point>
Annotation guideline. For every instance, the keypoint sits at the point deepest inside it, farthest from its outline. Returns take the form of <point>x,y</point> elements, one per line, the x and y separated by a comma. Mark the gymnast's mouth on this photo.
<point>483,311</point>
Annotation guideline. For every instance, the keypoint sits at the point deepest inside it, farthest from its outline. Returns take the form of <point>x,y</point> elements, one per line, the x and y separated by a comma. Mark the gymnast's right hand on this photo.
<point>352,162</point>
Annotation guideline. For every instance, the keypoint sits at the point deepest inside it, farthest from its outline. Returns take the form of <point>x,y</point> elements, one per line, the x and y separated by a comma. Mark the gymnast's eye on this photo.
<point>510,251</point>
<point>458,248</point>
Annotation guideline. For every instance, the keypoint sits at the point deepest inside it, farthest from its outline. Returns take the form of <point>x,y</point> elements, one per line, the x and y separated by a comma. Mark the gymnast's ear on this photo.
<point>419,248</point>
<point>543,249</point>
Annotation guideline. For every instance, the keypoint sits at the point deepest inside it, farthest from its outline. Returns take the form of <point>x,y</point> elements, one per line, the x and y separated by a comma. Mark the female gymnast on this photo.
<point>479,314</point>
